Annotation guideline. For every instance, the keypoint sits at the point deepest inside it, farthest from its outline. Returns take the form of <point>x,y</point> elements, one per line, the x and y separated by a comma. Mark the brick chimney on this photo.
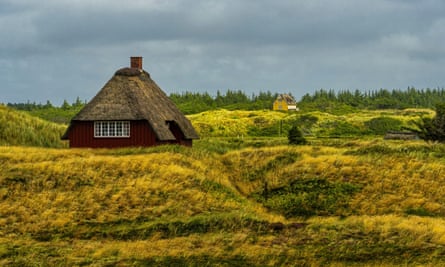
<point>136,62</point>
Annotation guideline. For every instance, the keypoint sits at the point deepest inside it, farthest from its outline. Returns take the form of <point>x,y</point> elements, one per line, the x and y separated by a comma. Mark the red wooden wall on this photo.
<point>81,134</point>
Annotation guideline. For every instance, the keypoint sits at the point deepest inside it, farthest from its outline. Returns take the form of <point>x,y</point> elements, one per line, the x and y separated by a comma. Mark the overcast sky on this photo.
<point>63,49</point>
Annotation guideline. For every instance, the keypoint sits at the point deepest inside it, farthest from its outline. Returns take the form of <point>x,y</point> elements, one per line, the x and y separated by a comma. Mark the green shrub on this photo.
<point>434,129</point>
<point>295,136</point>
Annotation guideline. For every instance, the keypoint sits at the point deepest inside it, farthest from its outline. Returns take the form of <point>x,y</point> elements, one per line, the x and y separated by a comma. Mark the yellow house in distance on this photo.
<point>285,102</point>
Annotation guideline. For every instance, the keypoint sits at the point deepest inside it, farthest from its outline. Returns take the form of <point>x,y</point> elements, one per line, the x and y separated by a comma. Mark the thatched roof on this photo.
<point>132,95</point>
<point>288,98</point>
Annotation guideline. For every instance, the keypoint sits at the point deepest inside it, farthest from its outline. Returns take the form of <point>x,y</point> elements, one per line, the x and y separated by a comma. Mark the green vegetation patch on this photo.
<point>419,211</point>
<point>343,128</point>
<point>382,125</point>
<point>309,197</point>
<point>305,122</point>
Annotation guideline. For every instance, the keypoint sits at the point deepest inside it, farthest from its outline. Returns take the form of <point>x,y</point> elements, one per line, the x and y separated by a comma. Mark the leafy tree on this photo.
<point>433,129</point>
<point>295,136</point>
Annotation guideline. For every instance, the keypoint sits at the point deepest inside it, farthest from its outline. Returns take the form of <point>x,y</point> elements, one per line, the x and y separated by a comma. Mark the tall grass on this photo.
<point>228,201</point>
<point>19,128</point>
<point>172,205</point>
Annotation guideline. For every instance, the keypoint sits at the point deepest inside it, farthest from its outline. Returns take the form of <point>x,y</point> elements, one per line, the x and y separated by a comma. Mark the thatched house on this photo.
<point>130,110</point>
<point>285,102</point>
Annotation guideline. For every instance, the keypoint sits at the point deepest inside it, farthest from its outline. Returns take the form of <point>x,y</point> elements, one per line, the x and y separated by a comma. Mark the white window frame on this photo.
<point>111,129</point>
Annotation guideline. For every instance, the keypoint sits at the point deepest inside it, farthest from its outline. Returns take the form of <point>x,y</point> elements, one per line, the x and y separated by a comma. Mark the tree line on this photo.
<point>188,102</point>
<point>374,99</point>
<point>32,106</point>
<point>323,100</point>
<point>196,102</point>
<point>50,112</point>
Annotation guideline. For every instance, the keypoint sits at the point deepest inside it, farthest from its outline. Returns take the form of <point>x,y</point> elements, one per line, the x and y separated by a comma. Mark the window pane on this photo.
<point>104,129</point>
<point>112,128</point>
<point>126,128</point>
<point>118,128</point>
<point>96,128</point>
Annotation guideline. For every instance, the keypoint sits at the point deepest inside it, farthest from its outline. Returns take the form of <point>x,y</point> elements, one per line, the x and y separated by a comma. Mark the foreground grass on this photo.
<point>197,207</point>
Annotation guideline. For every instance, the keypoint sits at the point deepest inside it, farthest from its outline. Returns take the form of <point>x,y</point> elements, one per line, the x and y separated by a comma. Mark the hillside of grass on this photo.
<point>20,128</point>
<point>240,197</point>
<point>316,124</point>
<point>342,202</point>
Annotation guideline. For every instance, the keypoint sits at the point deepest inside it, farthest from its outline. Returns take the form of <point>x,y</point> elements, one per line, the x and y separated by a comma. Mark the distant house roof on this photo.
<point>132,95</point>
<point>288,98</point>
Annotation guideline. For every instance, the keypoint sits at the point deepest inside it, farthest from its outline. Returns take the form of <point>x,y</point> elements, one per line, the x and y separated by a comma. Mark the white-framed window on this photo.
<point>111,129</point>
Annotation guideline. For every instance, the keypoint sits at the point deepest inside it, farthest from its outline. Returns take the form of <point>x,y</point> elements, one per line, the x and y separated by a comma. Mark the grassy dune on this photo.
<point>358,202</point>
<point>19,128</point>
<point>240,197</point>
<point>224,123</point>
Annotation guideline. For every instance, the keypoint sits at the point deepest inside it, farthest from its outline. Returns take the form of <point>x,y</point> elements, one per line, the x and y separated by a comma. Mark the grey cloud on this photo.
<point>208,45</point>
<point>258,22</point>
<point>251,21</point>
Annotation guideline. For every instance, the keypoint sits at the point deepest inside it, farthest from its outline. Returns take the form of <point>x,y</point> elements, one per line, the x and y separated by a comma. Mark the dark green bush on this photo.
<point>295,136</point>
<point>434,129</point>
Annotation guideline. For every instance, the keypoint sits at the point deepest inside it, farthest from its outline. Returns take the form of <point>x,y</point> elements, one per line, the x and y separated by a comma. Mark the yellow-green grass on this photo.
<point>394,177</point>
<point>20,128</point>
<point>239,124</point>
<point>217,123</point>
<point>204,206</point>
<point>179,206</point>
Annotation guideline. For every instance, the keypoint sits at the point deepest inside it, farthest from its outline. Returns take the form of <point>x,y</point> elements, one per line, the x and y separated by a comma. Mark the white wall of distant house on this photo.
<point>292,107</point>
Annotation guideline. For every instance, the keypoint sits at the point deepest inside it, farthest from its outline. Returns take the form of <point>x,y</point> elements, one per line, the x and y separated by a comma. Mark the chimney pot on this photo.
<point>136,62</point>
